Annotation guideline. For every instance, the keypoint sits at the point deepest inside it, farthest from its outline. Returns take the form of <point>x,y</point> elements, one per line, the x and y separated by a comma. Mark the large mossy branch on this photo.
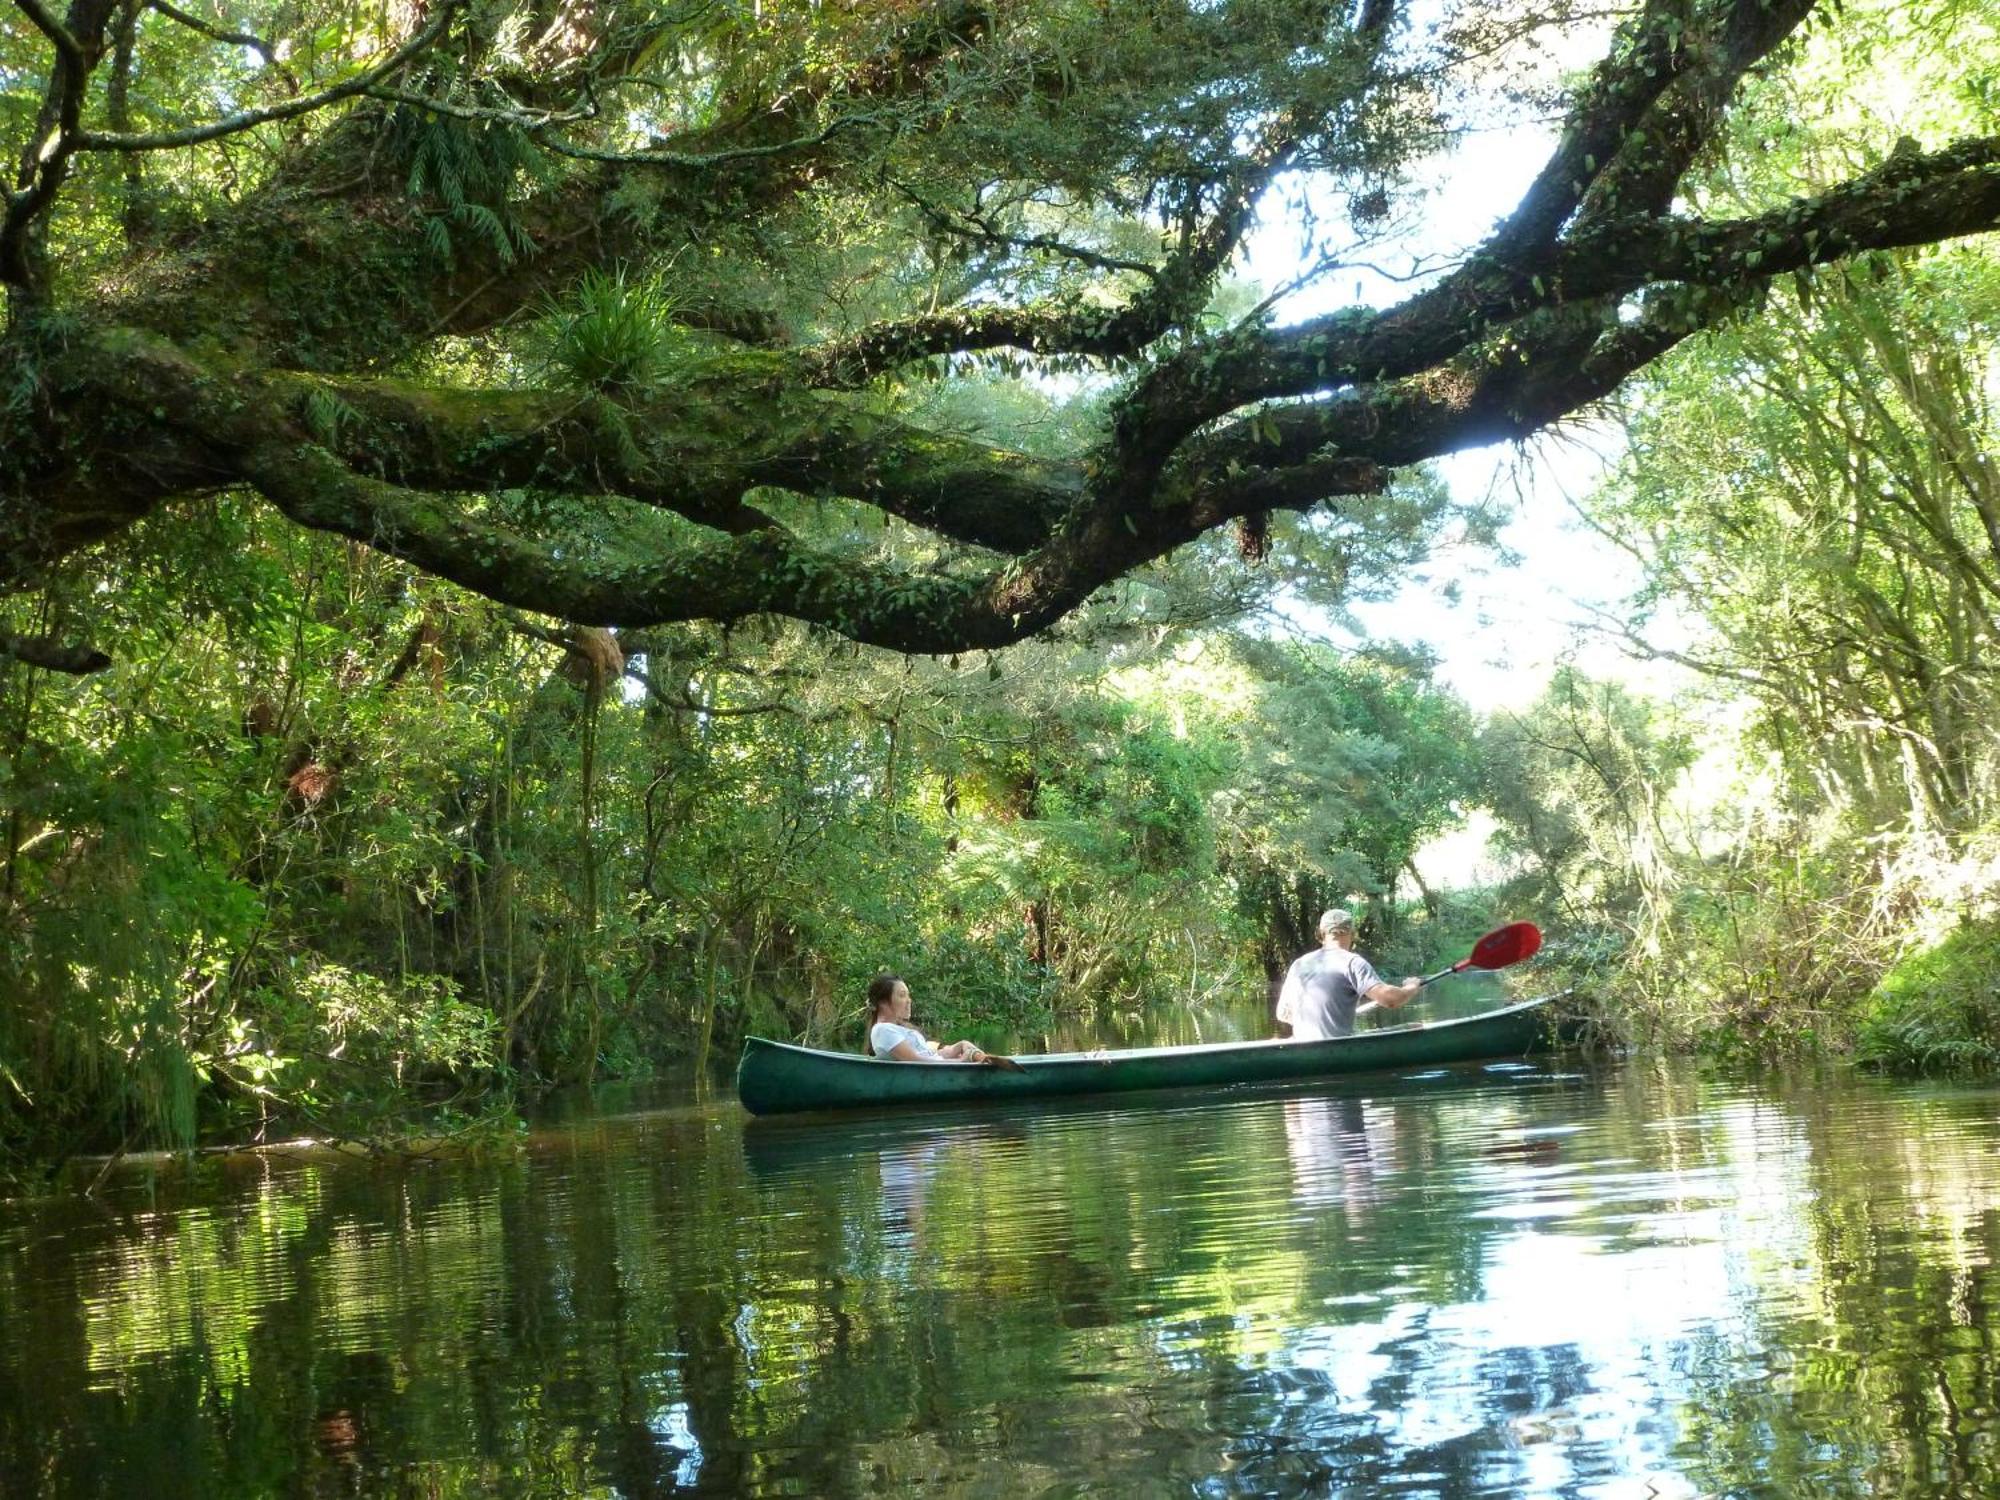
<point>1552,365</point>
<point>1652,153</point>
<point>1638,122</point>
<point>346,277</point>
<point>332,264</point>
<point>269,329</point>
<point>1646,109</point>
<point>767,571</point>
<point>696,446</point>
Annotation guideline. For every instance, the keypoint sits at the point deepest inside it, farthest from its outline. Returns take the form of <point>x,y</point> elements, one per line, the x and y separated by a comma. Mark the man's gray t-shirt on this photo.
<point>1321,990</point>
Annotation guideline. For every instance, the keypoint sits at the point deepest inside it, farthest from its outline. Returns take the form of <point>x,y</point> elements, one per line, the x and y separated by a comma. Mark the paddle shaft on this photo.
<point>1373,1005</point>
<point>1370,1005</point>
<point>1499,948</point>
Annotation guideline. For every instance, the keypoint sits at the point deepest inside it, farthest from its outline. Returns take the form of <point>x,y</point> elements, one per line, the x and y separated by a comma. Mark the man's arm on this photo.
<point>1394,996</point>
<point>1288,997</point>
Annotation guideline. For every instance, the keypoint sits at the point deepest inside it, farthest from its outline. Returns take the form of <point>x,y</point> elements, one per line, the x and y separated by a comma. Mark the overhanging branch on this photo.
<point>1067,324</point>
<point>686,449</point>
<point>53,655</point>
<point>250,119</point>
<point>227,37</point>
<point>46,156</point>
<point>1914,198</point>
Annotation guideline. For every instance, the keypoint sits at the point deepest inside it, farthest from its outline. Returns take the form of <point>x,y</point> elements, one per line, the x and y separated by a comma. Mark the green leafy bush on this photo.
<point>1938,1010</point>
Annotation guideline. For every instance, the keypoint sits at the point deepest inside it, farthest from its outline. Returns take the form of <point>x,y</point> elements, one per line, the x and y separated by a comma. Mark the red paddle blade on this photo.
<point>1506,945</point>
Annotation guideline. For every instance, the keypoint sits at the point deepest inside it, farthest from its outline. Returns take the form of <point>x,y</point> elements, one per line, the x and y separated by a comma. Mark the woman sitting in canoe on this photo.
<point>891,1036</point>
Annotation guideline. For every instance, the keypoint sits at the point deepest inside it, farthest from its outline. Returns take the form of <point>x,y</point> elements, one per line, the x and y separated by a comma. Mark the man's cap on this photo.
<point>1336,919</point>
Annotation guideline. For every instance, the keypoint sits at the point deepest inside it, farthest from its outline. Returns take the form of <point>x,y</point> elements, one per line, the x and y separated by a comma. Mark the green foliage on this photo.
<point>978,986</point>
<point>614,333</point>
<point>1810,487</point>
<point>337,843</point>
<point>328,415</point>
<point>1349,766</point>
<point>1577,780</point>
<point>472,170</point>
<point>1937,1009</point>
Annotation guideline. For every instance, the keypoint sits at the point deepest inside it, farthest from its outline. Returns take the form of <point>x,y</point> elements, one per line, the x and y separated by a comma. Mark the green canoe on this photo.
<point>778,1078</point>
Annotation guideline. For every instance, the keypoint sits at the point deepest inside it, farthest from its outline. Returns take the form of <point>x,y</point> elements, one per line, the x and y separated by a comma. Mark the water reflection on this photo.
<point>1504,1282</point>
<point>905,1172</point>
<point>1332,1155</point>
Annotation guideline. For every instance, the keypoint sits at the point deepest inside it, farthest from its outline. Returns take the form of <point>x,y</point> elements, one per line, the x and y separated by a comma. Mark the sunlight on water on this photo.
<point>1509,1281</point>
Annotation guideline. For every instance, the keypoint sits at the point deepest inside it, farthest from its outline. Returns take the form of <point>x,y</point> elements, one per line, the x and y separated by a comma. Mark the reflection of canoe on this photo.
<point>775,1077</point>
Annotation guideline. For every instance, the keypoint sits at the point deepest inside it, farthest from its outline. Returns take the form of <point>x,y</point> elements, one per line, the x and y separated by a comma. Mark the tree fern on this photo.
<point>473,170</point>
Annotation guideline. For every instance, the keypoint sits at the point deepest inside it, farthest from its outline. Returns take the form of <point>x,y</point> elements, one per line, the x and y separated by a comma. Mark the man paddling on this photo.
<point>1323,987</point>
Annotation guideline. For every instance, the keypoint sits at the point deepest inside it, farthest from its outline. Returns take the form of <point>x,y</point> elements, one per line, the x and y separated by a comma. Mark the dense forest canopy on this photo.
<point>635,313</point>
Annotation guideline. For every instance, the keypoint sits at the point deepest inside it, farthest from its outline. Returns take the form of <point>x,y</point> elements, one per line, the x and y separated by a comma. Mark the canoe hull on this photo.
<point>778,1078</point>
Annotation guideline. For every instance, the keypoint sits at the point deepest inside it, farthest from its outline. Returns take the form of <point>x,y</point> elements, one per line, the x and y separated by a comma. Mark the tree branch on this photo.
<point>681,450</point>
<point>1911,199</point>
<point>980,229</point>
<point>1655,153</point>
<point>395,299</point>
<point>52,655</point>
<point>45,159</point>
<point>69,52</point>
<point>250,119</point>
<point>1065,325</point>
<point>1616,119</point>
<point>769,571</point>
<point>227,37</point>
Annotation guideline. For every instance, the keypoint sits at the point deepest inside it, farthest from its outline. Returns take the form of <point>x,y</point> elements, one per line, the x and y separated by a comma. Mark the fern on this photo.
<point>327,416</point>
<point>478,216</point>
<point>472,171</point>
<point>630,454</point>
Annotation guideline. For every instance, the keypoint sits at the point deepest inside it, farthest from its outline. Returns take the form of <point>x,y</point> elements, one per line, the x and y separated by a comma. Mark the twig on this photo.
<point>232,38</point>
<point>249,119</point>
<point>535,125</point>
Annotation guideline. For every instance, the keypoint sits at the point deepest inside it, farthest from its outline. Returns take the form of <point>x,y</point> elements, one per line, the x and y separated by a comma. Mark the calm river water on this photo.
<point>1517,1280</point>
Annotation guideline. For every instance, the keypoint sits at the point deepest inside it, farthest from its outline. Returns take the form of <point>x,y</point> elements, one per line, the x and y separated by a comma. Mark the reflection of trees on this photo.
<point>1069,1290</point>
<point>1871,1370</point>
<point>1208,1296</point>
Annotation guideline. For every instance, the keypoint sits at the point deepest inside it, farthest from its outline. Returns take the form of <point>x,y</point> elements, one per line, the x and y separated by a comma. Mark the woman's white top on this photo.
<point>884,1035</point>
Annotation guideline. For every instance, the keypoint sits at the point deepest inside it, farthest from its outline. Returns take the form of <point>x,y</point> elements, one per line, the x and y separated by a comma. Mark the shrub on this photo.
<point>1938,1009</point>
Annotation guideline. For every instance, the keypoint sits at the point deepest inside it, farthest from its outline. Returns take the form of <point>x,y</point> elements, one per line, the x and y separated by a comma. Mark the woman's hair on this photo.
<point>880,988</point>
